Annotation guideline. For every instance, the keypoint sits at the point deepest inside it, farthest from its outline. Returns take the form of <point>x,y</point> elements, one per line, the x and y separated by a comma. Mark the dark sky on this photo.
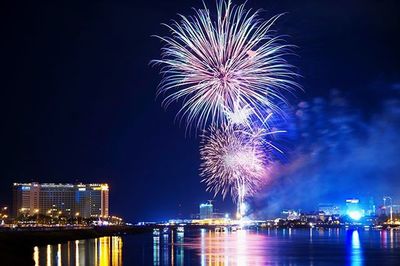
<point>78,94</point>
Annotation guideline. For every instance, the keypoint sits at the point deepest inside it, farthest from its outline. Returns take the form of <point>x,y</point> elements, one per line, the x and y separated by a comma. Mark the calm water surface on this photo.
<point>204,247</point>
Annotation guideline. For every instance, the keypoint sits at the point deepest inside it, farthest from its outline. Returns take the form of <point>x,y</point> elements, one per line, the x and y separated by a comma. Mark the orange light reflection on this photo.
<point>232,248</point>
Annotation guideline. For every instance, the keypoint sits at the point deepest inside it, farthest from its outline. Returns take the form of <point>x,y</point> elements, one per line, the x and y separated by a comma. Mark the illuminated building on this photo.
<point>25,198</point>
<point>56,199</point>
<point>92,200</point>
<point>206,210</point>
<point>396,209</point>
<point>353,209</point>
<point>328,209</point>
<point>83,200</point>
<point>291,215</point>
<point>371,210</point>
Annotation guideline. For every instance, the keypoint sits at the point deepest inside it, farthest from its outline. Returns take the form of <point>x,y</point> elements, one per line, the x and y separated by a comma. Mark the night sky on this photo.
<point>78,103</point>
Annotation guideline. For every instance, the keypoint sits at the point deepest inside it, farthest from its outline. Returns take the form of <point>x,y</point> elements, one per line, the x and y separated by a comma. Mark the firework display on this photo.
<point>235,160</point>
<point>228,73</point>
<point>232,159</point>
<point>213,66</point>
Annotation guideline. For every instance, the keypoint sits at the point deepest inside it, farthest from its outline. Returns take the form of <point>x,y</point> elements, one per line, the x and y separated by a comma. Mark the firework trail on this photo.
<point>224,65</point>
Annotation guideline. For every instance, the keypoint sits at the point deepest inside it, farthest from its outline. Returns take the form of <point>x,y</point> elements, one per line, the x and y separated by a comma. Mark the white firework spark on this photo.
<point>239,115</point>
<point>211,65</point>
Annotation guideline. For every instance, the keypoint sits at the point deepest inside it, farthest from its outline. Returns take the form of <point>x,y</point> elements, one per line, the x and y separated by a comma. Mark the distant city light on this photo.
<point>355,215</point>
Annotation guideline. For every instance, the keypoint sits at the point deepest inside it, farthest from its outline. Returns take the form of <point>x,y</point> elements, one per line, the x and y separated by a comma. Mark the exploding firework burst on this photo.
<point>233,161</point>
<point>217,66</point>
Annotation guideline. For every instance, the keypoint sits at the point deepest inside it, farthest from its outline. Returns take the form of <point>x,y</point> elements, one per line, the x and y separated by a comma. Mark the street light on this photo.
<point>77,217</point>
<point>36,211</point>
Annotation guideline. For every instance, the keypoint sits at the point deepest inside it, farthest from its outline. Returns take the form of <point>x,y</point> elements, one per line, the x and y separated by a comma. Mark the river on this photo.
<point>244,247</point>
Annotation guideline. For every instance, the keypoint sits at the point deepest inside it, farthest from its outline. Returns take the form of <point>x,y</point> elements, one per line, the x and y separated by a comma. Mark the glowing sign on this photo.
<point>354,201</point>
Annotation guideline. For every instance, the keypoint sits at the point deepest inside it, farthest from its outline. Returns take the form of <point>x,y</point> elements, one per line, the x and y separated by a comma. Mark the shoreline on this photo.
<point>25,239</point>
<point>43,235</point>
<point>38,236</point>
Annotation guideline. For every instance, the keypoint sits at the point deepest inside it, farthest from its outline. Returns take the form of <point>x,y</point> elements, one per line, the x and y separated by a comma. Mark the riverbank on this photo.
<point>16,245</point>
<point>49,235</point>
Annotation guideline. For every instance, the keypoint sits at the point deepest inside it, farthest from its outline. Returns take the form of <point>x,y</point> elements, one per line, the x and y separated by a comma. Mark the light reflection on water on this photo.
<point>294,247</point>
<point>355,250</point>
<point>101,251</point>
<point>206,247</point>
<point>242,247</point>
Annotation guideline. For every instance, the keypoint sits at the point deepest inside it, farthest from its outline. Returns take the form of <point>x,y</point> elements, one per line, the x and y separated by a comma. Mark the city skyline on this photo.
<point>200,132</point>
<point>79,105</point>
<point>84,200</point>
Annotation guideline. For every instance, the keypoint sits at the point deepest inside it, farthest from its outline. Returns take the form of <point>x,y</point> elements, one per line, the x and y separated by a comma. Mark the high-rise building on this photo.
<point>84,200</point>
<point>56,198</point>
<point>206,210</point>
<point>92,200</point>
<point>371,209</point>
<point>25,198</point>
